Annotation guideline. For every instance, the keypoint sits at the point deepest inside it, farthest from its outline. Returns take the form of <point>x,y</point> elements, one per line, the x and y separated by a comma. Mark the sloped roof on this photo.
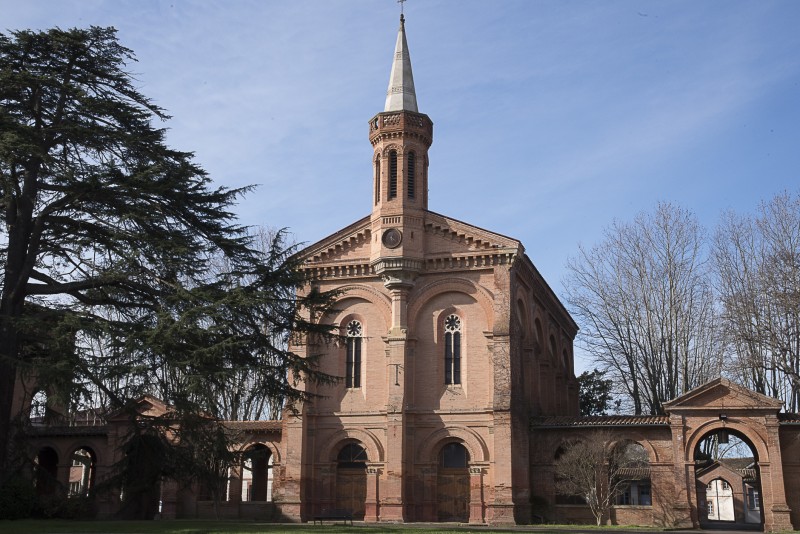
<point>253,426</point>
<point>789,418</point>
<point>62,430</point>
<point>634,473</point>
<point>566,421</point>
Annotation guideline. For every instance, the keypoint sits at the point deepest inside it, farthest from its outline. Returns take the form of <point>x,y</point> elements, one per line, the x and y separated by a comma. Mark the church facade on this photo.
<point>457,392</point>
<point>453,339</point>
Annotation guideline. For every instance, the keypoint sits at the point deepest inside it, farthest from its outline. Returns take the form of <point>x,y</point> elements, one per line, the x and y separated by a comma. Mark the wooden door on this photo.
<point>351,491</point>
<point>453,495</point>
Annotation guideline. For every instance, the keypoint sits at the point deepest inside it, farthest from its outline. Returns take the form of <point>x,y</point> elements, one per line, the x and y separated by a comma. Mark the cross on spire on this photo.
<point>401,2</point>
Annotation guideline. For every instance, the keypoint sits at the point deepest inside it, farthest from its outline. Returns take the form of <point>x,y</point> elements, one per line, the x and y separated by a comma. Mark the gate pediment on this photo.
<point>722,394</point>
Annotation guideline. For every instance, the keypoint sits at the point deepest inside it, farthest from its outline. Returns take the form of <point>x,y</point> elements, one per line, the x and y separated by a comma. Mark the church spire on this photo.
<point>401,95</point>
<point>400,136</point>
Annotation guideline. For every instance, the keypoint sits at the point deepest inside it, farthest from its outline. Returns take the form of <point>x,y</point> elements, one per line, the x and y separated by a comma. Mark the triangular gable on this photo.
<point>718,470</point>
<point>460,237</point>
<point>721,393</point>
<point>352,244</point>
<point>144,405</point>
<point>349,243</point>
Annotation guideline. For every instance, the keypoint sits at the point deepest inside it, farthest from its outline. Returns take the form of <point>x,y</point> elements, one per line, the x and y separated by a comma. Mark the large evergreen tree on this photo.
<point>111,232</point>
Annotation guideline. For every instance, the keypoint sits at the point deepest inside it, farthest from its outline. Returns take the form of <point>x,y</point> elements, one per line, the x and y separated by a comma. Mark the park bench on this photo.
<point>334,514</point>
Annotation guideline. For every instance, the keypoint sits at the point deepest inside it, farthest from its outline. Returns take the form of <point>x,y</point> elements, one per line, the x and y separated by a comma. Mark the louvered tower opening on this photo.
<point>411,178</point>
<point>392,174</point>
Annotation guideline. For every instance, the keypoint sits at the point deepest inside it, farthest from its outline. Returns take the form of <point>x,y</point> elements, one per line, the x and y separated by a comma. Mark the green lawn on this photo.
<point>208,527</point>
<point>245,527</point>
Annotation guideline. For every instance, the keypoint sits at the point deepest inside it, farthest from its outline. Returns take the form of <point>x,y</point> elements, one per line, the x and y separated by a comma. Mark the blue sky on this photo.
<point>551,119</point>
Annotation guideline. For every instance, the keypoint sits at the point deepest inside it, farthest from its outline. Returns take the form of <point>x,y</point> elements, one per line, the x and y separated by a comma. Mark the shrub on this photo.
<point>17,498</point>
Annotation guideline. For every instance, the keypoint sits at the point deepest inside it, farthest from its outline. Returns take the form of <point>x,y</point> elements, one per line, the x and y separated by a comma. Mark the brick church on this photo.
<point>457,390</point>
<point>453,340</point>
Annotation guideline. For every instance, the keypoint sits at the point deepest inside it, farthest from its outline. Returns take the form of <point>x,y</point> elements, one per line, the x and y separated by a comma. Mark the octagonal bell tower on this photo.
<point>400,136</point>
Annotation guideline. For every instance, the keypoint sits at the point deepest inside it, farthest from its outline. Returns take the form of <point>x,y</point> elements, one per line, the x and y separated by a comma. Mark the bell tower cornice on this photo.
<point>390,126</point>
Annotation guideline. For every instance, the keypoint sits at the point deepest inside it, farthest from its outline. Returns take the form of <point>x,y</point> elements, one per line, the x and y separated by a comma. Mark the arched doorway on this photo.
<point>452,485</point>
<point>82,472</point>
<point>351,480</point>
<point>46,471</point>
<point>257,474</point>
<point>728,482</point>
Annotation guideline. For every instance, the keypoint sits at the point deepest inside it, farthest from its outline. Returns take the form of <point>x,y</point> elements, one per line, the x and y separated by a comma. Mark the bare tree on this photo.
<point>595,470</point>
<point>757,262</point>
<point>646,308</point>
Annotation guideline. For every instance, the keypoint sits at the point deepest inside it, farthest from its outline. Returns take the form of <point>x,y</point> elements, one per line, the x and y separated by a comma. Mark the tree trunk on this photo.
<point>9,346</point>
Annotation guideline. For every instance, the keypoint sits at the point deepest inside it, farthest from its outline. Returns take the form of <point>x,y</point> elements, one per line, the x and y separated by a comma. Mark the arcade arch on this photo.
<point>257,474</point>
<point>727,479</point>
<point>83,466</point>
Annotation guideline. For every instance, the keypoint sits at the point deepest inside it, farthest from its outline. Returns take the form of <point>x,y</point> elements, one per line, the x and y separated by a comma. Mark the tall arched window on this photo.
<point>377,179</point>
<point>452,350</point>
<point>38,407</point>
<point>353,362</point>
<point>392,174</point>
<point>410,170</point>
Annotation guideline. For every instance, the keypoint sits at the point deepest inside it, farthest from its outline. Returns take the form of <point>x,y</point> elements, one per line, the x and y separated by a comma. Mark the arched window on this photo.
<point>537,326</point>
<point>410,170</point>
<point>631,464</point>
<point>454,455</point>
<point>38,407</point>
<point>553,350</point>
<point>352,456</point>
<point>377,179</point>
<point>452,350</point>
<point>353,362</point>
<point>392,174</point>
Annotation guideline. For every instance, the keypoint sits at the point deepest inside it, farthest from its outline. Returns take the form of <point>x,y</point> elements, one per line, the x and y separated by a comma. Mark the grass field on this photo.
<point>213,527</point>
<point>243,527</point>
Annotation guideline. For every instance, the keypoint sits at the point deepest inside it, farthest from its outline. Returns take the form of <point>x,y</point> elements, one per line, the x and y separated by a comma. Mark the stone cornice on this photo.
<point>478,261</point>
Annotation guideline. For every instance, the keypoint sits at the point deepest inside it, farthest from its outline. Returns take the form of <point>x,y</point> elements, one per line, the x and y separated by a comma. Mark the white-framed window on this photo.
<point>753,499</point>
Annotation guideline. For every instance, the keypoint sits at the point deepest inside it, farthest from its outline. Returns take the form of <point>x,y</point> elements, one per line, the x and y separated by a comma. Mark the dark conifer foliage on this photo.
<point>112,232</point>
